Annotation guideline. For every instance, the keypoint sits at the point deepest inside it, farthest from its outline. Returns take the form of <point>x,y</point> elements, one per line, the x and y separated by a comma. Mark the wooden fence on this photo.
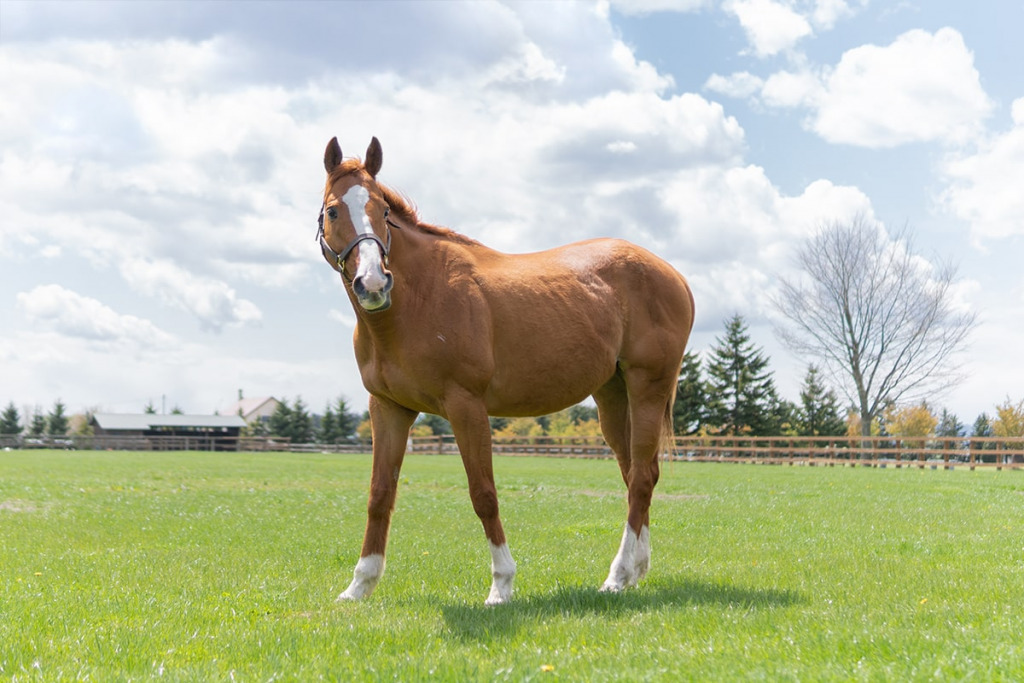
<point>876,451</point>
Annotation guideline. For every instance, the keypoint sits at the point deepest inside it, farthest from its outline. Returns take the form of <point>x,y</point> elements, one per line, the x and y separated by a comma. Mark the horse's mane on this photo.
<point>401,207</point>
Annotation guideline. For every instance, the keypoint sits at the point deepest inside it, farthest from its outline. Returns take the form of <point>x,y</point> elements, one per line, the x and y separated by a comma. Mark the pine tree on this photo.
<point>57,420</point>
<point>10,424</point>
<point>328,432</point>
<point>982,426</point>
<point>691,397</point>
<point>438,425</point>
<point>741,391</point>
<point>281,420</point>
<point>348,422</point>
<point>301,423</point>
<point>38,425</point>
<point>819,413</point>
<point>950,425</point>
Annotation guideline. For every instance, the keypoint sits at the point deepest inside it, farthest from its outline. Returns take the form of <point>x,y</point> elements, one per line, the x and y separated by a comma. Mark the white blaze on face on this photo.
<point>371,268</point>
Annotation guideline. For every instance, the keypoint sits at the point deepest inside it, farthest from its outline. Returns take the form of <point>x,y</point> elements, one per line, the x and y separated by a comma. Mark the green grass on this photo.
<point>194,566</point>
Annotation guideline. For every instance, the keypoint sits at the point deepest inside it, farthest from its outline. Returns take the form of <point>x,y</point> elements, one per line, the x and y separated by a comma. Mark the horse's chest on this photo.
<point>414,377</point>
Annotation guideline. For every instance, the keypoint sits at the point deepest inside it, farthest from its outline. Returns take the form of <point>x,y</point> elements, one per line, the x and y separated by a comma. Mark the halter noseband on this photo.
<point>337,260</point>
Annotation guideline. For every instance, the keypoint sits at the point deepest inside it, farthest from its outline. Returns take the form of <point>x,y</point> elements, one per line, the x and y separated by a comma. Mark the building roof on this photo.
<point>248,406</point>
<point>119,421</point>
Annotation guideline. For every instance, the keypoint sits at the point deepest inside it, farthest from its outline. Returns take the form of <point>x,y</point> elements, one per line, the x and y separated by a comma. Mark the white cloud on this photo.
<point>827,13</point>
<point>771,27</point>
<point>213,302</point>
<point>792,89</point>
<point>741,84</point>
<point>74,315</point>
<point>732,228</point>
<point>985,186</point>
<point>642,7</point>
<point>922,87</point>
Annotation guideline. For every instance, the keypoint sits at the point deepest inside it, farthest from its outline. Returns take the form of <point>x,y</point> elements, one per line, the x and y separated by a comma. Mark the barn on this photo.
<point>167,432</point>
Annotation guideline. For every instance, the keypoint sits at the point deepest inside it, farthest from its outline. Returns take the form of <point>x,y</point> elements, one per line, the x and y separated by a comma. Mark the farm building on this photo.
<point>253,409</point>
<point>175,431</point>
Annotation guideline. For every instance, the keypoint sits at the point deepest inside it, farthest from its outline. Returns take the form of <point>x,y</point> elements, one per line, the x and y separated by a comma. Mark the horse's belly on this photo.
<point>542,377</point>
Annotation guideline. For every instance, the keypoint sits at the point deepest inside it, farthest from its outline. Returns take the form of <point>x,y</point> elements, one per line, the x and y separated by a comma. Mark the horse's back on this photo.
<point>567,318</point>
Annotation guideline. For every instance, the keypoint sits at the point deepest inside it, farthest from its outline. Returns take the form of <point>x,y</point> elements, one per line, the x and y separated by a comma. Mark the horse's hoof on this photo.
<point>498,597</point>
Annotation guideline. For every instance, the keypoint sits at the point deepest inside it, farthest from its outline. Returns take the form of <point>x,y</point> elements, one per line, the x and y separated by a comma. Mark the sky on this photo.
<point>161,169</point>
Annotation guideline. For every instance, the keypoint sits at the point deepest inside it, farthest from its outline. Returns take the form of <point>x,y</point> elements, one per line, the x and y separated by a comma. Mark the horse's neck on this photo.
<point>418,268</point>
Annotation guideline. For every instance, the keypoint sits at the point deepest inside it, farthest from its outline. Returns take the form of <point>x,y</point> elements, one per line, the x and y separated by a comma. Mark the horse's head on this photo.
<point>354,221</point>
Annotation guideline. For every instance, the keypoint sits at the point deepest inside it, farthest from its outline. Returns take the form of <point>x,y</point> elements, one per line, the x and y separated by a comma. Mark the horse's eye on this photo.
<point>332,213</point>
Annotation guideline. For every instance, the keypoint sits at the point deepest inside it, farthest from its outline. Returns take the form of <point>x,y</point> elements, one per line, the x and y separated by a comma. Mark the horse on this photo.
<point>448,326</point>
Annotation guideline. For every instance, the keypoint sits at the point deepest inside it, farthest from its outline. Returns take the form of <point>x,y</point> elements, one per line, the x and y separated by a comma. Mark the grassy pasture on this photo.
<point>198,566</point>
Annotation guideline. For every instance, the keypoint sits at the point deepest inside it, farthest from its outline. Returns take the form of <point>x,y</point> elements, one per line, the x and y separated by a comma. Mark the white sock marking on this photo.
<point>503,569</point>
<point>623,572</point>
<point>642,561</point>
<point>367,573</point>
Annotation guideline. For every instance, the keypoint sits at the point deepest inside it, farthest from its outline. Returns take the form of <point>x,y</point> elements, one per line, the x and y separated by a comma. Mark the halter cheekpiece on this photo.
<point>337,260</point>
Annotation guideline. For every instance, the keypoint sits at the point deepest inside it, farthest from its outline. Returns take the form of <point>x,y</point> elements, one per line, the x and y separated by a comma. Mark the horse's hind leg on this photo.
<point>649,406</point>
<point>391,424</point>
<point>613,413</point>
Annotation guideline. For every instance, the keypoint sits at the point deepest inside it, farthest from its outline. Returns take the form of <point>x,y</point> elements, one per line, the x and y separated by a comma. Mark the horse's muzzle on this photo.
<point>374,292</point>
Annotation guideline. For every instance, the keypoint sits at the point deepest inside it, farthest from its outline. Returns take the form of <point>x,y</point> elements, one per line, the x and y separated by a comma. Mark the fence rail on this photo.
<point>875,451</point>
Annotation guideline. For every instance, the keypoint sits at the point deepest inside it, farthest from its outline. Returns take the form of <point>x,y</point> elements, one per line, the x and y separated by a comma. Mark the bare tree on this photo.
<point>877,316</point>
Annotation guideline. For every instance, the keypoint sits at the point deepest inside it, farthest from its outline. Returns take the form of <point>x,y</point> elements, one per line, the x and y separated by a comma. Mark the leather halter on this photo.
<point>337,260</point>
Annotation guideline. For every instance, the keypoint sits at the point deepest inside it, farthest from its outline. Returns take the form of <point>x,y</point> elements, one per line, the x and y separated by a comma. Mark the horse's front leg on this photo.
<point>390,423</point>
<point>472,429</point>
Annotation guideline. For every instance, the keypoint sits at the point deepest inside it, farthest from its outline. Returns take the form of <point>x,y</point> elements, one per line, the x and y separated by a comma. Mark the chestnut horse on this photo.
<point>448,326</point>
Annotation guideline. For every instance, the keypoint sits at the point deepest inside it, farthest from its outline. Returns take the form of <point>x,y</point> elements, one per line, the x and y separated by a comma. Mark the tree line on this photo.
<point>729,392</point>
<point>55,423</point>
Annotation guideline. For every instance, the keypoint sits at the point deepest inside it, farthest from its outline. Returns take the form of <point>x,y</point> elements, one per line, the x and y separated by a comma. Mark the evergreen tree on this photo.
<point>691,397</point>
<point>786,416</point>
<point>328,432</point>
<point>982,426</point>
<point>57,420</point>
<point>281,419</point>
<point>950,425</point>
<point>301,423</point>
<point>38,425</point>
<point>150,409</point>
<point>9,420</point>
<point>348,422</point>
<point>581,413</point>
<point>741,391</point>
<point>819,413</point>
<point>437,424</point>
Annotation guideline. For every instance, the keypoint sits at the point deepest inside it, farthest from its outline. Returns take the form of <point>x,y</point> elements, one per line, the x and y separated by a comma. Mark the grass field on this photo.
<point>196,566</point>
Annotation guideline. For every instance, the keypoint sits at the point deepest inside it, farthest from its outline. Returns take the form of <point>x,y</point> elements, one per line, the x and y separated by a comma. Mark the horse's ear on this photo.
<point>374,158</point>
<point>332,155</point>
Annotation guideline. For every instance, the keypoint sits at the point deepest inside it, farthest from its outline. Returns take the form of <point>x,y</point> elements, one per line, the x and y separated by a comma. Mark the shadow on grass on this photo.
<point>480,622</point>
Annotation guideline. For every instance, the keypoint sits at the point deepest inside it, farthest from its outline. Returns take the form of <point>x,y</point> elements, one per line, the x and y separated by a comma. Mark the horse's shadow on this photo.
<point>480,622</point>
